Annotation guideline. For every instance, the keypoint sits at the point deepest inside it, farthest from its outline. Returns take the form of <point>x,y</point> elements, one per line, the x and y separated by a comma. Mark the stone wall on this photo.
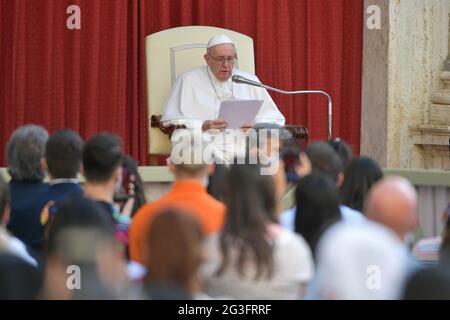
<point>409,62</point>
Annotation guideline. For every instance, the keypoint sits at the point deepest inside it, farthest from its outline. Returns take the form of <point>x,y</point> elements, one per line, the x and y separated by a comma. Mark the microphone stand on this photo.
<point>330,102</point>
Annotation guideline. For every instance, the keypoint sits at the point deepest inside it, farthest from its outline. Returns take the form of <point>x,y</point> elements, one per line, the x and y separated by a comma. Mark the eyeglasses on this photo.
<point>230,60</point>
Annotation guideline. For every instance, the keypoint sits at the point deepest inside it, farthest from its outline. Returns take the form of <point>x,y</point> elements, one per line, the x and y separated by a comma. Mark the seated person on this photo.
<point>9,244</point>
<point>28,191</point>
<point>188,193</point>
<point>174,244</point>
<point>132,191</point>
<point>326,161</point>
<point>102,168</point>
<point>195,98</point>
<point>427,250</point>
<point>253,257</point>
<point>62,161</point>
<point>82,257</point>
<point>317,207</point>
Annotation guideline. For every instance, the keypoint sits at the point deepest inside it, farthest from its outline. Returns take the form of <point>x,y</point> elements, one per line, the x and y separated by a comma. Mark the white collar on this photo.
<point>58,181</point>
<point>221,84</point>
<point>215,80</point>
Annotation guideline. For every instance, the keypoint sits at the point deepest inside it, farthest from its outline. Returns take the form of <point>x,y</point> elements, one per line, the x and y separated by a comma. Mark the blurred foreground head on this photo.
<point>360,261</point>
<point>174,255</point>
<point>18,279</point>
<point>83,257</point>
<point>393,202</point>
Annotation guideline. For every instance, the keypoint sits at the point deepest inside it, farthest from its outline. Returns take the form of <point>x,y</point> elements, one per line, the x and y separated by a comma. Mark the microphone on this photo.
<point>239,79</point>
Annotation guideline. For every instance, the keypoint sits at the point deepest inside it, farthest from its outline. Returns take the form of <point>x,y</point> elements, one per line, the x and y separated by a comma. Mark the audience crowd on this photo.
<point>75,223</point>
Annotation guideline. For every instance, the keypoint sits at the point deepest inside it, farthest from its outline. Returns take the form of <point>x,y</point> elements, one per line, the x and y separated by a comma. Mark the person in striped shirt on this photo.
<point>427,250</point>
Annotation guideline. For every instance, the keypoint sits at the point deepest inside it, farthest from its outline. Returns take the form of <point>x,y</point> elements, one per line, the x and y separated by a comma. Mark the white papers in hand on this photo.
<point>238,112</point>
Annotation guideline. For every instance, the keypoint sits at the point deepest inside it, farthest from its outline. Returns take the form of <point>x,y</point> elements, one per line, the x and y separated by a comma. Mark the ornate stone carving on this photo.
<point>434,137</point>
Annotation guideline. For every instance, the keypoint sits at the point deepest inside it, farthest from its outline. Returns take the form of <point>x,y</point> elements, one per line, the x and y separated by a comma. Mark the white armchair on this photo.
<point>170,53</point>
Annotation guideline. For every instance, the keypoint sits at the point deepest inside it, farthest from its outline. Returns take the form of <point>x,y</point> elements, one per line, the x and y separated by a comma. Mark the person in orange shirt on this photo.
<point>188,194</point>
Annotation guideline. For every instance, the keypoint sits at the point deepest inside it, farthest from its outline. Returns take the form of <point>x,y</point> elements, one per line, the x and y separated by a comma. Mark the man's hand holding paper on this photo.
<point>218,124</point>
<point>239,114</point>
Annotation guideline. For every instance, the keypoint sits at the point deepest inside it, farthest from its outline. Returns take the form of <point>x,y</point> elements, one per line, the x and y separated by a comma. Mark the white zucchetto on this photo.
<point>219,39</point>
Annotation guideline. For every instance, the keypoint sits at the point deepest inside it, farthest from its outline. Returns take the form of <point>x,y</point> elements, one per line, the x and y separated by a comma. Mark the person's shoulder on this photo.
<point>287,218</point>
<point>192,73</point>
<point>212,238</point>
<point>34,187</point>
<point>18,248</point>
<point>140,221</point>
<point>293,247</point>
<point>148,209</point>
<point>60,191</point>
<point>349,214</point>
<point>211,247</point>
<point>290,238</point>
<point>213,203</point>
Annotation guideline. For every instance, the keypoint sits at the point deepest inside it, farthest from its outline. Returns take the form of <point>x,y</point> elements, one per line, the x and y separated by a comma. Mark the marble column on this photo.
<point>433,136</point>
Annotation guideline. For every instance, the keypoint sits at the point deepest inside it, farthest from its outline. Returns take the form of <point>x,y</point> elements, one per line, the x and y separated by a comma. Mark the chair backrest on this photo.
<point>171,52</point>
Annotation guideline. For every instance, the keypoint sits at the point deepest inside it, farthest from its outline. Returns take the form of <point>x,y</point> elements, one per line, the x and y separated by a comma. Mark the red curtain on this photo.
<point>93,79</point>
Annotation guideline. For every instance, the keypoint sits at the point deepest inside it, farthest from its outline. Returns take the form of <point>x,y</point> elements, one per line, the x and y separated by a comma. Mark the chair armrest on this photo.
<point>298,132</point>
<point>155,122</point>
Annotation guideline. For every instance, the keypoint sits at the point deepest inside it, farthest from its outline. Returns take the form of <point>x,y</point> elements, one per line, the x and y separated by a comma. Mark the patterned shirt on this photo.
<point>426,251</point>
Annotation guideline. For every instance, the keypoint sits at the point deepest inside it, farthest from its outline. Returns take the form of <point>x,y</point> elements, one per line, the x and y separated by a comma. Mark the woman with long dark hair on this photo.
<point>253,257</point>
<point>361,174</point>
<point>317,207</point>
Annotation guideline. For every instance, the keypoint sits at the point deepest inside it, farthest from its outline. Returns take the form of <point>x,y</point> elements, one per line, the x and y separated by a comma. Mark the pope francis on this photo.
<point>196,95</point>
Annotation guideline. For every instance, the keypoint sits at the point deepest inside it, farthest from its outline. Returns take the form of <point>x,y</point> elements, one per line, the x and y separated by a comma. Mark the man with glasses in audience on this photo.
<point>196,95</point>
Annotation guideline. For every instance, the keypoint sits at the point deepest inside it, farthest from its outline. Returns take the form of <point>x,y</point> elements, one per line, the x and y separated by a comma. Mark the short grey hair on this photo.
<point>25,149</point>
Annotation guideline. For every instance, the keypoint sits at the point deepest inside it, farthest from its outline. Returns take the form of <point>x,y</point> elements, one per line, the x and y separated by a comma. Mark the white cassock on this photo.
<point>196,97</point>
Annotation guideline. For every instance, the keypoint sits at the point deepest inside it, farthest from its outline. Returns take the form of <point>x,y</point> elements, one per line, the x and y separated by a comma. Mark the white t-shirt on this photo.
<point>293,267</point>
